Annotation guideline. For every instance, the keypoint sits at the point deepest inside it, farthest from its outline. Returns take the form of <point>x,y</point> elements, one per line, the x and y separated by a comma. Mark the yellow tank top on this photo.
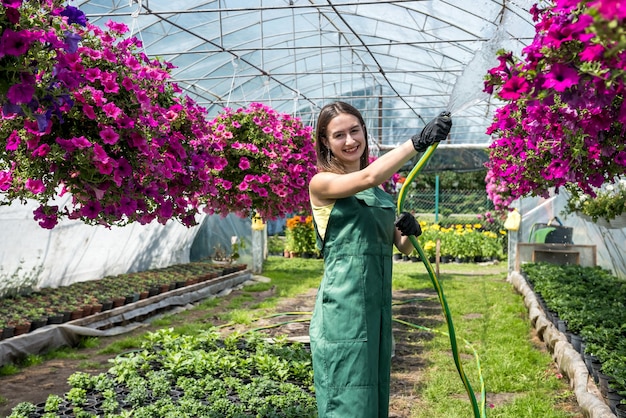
<point>321,215</point>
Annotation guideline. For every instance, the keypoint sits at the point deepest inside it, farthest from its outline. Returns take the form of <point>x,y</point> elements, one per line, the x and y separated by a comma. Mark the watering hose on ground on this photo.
<point>479,412</point>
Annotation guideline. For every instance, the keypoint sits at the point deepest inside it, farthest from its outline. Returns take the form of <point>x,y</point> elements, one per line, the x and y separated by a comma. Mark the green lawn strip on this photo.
<point>488,314</point>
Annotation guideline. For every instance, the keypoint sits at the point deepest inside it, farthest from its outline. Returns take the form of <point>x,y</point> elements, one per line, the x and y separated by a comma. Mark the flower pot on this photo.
<point>76,314</point>
<point>96,308</point>
<point>576,342</point>
<point>133,297</point>
<point>596,365</point>
<point>604,381</point>
<point>7,332</point>
<point>589,360</point>
<point>22,328</point>
<point>38,323</point>
<point>119,301</point>
<point>614,398</point>
<point>620,410</point>
<point>618,222</point>
<point>55,319</point>
<point>67,315</point>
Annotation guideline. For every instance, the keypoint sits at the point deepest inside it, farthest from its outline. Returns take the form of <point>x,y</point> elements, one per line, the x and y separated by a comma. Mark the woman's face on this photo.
<point>345,139</point>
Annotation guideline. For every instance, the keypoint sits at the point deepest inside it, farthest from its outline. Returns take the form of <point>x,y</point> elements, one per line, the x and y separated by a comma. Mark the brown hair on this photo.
<point>326,161</point>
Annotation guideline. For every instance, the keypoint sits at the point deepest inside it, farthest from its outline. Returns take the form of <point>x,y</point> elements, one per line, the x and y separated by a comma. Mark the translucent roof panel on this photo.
<point>399,62</point>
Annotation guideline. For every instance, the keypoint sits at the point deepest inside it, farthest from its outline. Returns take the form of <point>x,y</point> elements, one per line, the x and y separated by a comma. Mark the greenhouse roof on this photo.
<point>400,62</point>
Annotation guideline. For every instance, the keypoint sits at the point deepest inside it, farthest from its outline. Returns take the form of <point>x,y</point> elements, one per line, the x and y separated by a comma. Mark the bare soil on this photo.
<point>35,383</point>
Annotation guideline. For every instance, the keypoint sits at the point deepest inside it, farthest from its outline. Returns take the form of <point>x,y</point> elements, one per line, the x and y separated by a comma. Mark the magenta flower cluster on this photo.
<point>562,124</point>
<point>85,112</point>
<point>261,162</point>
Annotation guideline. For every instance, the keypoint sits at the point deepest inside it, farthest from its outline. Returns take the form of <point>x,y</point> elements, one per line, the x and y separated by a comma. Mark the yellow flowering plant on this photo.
<point>300,234</point>
<point>464,241</point>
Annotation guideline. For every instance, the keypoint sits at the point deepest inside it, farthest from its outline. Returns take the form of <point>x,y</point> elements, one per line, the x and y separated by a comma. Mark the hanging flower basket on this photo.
<point>607,208</point>
<point>260,162</point>
<point>562,124</point>
<point>86,113</point>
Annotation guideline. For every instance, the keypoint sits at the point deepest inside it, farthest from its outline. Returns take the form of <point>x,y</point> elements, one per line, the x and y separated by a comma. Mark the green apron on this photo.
<point>351,324</point>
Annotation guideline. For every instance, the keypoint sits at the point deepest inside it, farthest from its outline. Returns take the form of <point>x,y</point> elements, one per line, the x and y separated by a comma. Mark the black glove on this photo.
<point>435,131</point>
<point>408,225</point>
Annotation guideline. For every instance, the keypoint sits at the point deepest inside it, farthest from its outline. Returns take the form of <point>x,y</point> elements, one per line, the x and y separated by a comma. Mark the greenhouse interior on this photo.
<point>141,136</point>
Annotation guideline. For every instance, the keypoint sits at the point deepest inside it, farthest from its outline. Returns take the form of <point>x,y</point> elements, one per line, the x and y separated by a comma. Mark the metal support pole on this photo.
<point>436,198</point>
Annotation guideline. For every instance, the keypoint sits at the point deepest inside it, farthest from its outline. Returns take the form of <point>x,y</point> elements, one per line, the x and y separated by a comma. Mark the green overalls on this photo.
<point>351,324</point>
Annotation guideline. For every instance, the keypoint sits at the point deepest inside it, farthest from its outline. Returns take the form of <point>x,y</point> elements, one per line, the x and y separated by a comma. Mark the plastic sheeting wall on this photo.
<point>31,256</point>
<point>74,251</point>
<point>610,243</point>
<point>217,230</point>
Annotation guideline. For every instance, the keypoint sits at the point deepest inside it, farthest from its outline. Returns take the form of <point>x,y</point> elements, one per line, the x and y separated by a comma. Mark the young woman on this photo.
<point>357,228</point>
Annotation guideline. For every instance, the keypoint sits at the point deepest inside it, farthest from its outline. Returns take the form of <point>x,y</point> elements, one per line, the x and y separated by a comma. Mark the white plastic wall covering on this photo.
<point>31,256</point>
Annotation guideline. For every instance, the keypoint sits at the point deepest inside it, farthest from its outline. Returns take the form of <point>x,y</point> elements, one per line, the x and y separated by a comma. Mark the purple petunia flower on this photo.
<point>91,209</point>
<point>5,180</point>
<point>46,220</point>
<point>74,15</point>
<point>244,163</point>
<point>514,87</point>
<point>561,77</point>
<point>13,141</point>
<point>14,43</point>
<point>20,93</point>
<point>72,40</point>
<point>36,186</point>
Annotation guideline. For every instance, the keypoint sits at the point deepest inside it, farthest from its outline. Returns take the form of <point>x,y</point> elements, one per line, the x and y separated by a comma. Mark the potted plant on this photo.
<point>606,207</point>
<point>300,234</point>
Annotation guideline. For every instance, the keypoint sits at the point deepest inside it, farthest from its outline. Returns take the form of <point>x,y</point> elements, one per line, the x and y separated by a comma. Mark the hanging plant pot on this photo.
<point>618,222</point>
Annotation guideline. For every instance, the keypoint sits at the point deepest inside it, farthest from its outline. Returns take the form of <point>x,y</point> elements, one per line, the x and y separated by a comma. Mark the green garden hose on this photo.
<point>479,412</point>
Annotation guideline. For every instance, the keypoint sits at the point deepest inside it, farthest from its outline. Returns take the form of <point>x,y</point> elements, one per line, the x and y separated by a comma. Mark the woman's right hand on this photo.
<point>435,131</point>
